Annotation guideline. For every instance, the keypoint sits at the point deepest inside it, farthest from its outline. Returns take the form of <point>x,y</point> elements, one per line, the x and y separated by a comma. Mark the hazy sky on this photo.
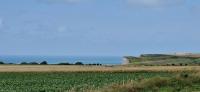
<point>99,27</point>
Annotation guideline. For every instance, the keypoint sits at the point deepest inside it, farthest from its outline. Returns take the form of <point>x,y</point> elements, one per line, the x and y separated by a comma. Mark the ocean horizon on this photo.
<point>17,59</point>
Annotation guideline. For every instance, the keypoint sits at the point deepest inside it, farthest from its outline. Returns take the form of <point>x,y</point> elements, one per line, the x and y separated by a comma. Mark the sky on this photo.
<point>99,27</point>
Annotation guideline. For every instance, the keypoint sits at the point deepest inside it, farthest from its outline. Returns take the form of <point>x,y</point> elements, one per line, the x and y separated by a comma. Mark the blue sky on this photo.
<point>99,27</point>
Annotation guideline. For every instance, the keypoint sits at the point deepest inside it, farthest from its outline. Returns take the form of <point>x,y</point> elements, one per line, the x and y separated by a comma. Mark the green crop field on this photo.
<point>63,82</point>
<point>50,78</point>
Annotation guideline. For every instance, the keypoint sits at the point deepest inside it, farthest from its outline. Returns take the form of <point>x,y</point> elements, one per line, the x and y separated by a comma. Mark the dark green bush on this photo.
<point>186,64</point>
<point>33,63</point>
<point>66,63</point>
<point>11,63</point>
<point>1,62</point>
<point>78,63</point>
<point>23,63</point>
<point>44,63</point>
<point>95,64</point>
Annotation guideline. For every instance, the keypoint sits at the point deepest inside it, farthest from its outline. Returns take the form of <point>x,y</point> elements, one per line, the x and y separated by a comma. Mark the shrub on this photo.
<point>33,63</point>
<point>64,63</point>
<point>23,63</point>
<point>184,75</point>
<point>99,64</point>
<point>1,62</point>
<point>78,63</point>
<point>186,64</point>
<point>44,63</point>
<point>94,64</point>
<point>11,63</point>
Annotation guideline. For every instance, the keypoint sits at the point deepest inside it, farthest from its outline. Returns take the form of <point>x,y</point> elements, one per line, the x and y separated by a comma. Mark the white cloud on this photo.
<point>155,3</point>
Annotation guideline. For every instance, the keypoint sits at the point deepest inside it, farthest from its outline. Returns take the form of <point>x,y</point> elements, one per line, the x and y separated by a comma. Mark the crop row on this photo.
<point>60,82</point>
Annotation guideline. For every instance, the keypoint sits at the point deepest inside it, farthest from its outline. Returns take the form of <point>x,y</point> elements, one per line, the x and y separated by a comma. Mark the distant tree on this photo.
<point>11,63</point>
<point>99,64</point>
<point>66,63</point>
<point>1,62</point>
<point>23,63</point>
<point>33,63</point>
<point>44,63</point>
<point>78,63</point>
<point>186,64</point>
<point>96,64</point>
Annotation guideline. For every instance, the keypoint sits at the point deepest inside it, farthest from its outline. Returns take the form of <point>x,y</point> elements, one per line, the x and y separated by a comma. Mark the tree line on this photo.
<point>46,63</point>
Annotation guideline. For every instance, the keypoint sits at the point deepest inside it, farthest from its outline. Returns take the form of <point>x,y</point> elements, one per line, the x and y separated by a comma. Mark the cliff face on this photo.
<point>125,61</point>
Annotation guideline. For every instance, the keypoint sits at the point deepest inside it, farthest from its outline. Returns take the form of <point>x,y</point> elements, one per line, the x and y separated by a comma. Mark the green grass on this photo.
<point>62,82</point>
<point>184,82</point>
<point>167,61</point>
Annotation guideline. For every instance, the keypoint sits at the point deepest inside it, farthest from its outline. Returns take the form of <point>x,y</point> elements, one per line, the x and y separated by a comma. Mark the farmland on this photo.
<point>60,82</point>
<point>55,78</point>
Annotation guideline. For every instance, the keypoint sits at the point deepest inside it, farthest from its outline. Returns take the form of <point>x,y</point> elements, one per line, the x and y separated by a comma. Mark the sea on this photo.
<point>108,60</point>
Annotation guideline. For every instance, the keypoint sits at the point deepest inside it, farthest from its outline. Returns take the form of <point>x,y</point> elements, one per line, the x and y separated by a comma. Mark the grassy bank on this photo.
<point>183,82</point>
